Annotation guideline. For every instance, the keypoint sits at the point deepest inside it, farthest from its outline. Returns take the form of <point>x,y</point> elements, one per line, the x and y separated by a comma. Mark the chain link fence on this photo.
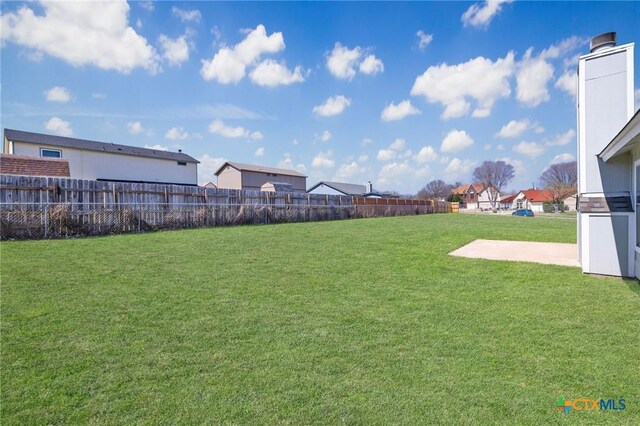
<point>59,220</point>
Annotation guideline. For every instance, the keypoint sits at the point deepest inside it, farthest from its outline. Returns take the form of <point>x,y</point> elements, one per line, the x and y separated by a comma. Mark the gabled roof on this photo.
<point>464,188</point>
<point>260,169</point>
<point>65,142</point>
<point>538,195</point>
<point>20,165</point>
<point>626,139</point>
<point>509,198</point>
<point>478,187</point>
<point>461,190</point>
<point>345,188</point>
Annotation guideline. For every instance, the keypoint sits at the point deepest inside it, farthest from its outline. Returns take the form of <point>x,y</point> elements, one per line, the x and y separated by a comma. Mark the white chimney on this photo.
<point>369,187</point>
<point>604,106</point>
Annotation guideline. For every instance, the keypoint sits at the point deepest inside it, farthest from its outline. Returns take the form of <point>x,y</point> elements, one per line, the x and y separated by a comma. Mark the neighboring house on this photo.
<point>475,196</point>
<point>508,202</point>
<point>209,185</point>
<point>532,199</point>
<point>608,160</point>
<point>276,187</point>
<point>571,202</point>
<point>233,175</point>
<point>349,189</point>
<point>339,188</point>
<point>102,161</point>
<point>19,165</point>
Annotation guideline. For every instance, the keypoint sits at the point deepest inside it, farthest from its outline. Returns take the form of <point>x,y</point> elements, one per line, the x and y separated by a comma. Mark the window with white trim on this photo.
<point>50,153</point>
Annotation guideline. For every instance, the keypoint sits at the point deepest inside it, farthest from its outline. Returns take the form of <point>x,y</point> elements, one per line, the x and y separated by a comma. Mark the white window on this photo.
<point>50,153</point>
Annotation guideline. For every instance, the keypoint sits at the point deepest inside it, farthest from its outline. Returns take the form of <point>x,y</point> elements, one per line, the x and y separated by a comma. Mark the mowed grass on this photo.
<point>359,321</point>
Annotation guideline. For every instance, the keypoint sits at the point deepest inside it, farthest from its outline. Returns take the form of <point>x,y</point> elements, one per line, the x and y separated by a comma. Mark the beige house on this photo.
<point>247,176</point>
<point>92,160</point>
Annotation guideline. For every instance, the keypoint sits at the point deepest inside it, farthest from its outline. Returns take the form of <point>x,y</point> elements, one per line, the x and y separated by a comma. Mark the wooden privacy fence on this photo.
<point>35,207</point>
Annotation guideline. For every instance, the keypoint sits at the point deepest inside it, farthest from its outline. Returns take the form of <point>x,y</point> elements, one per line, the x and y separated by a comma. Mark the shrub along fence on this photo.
<point>33,207</point>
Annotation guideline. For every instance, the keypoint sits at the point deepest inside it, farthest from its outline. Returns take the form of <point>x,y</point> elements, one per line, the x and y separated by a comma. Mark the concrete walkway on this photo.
<point>521,251</point>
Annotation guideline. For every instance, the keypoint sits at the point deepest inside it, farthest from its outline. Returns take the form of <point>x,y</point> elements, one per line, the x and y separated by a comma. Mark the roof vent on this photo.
<point>603,41</point>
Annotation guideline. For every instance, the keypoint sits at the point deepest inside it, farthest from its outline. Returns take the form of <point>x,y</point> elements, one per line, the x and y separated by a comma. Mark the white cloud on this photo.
<point>287,163</point>
<point>532,76</point>
<point>515,128</point>
<point>563,158</point>
<point>219,128</point>
<point>98,95</point>
<point>459,169</point>
<point>229,65</point>
<point>350,172</point>
<point>394,173</point>
<point>487,147</point>
<point>531,149</point>
<point>363,158</point>
<point>147,5</point>
<point>456,140</point>
<point>480,15</point>
<point>187,15</point>
<point>371,65</point>
<point>562,138</point>
<point>175,51</point>
<point>365,142</point>
<point>424,39</point>
<point>259,152</point>
<point>208,166</point>
<point>335,105</point>
<point>452,85</point>
<point>135,127</point>
<point>176,133</point>
<point>325,136</point>
<point>256,136</point>
<point>59,126</point>
<point>500,147</point>
<point>568,82</point>
<point>519,168</point>
<point>386,154</point>
<point>323,160</point>
<point>398,112</point>
<point>157,147</point>
<point>342,61</point>
<point>82,33</point>
<point>563,48</point>
<point>271,74</point>
<point>398,144</point>
<point>426,154</point>
<point>57,94</point>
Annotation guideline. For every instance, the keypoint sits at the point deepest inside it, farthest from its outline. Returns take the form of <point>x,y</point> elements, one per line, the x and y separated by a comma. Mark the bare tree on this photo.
<point>560,180</point>
<point>494,175</point>
<point>435,189</point>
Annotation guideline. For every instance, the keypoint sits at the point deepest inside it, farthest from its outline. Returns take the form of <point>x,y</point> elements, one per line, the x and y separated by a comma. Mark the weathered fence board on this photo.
<point>36,207</point>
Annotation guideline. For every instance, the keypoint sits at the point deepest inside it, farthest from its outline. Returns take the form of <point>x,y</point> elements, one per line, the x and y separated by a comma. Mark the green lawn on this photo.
<point>361,321</point>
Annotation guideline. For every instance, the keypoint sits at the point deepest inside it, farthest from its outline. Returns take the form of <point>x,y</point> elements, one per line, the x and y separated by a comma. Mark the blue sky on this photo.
<point>395,93</point>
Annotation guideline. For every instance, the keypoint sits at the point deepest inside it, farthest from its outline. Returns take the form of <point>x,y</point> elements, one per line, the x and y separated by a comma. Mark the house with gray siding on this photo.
<point>608,160</point>
<point>232,175</point>
<point>92,160</point>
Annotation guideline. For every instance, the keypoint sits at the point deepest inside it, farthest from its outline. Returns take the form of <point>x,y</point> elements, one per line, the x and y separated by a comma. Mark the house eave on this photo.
<point>627,139</point>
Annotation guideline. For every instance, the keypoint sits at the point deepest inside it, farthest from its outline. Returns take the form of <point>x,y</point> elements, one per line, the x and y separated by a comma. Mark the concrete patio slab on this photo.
<point>521,251</point>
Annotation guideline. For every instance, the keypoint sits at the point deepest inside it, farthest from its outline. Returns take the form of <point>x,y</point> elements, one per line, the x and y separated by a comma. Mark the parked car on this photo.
<point>523,212</point>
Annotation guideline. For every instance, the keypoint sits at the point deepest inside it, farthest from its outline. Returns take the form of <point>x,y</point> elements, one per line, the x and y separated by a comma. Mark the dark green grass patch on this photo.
<point>361,321</point>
